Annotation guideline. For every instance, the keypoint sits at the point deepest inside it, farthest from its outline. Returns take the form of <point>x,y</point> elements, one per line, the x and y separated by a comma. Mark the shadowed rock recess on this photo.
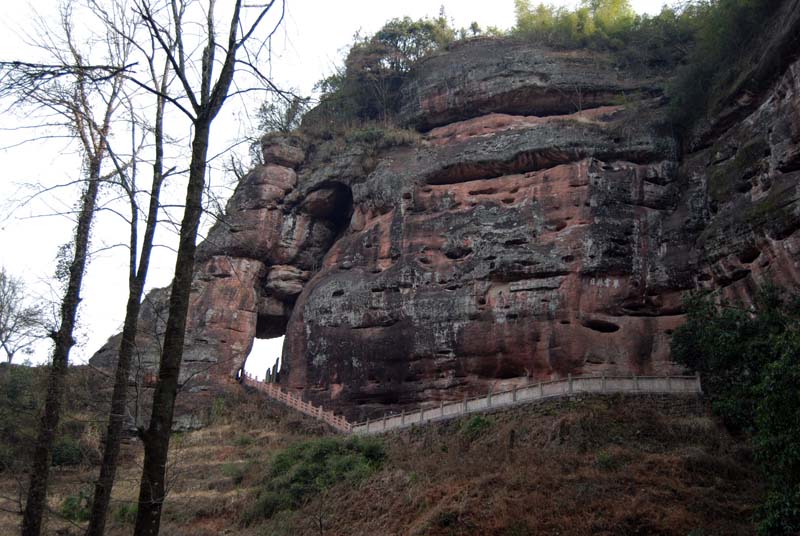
<point>545,222</point>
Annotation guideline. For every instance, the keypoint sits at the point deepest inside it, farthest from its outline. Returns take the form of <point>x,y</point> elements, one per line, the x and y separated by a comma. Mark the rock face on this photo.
<point>544,223</point>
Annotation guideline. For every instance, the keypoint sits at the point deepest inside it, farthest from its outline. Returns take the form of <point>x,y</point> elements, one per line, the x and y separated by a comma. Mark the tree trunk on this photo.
<point>119,398</point>
<point>116,420</point>
<point>156,437</point>
<point>40,468</point>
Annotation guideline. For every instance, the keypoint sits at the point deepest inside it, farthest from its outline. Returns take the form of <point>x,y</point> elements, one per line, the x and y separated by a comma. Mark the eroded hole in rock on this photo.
<point>521,163</point>
<point>599,325</point>
<point>749,254</point>
<point>264,358</point>
<point>342,208</point>
<point>483,191</point>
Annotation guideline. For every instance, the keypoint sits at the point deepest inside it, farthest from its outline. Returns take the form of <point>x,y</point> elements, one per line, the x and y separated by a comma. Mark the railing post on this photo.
<point>569,383</point>
<point>514,394</point>
<point>669,383</point>
<point>441,408</point>
<point>541,389</point>
<point>403,418</point>
<point>489,398</point>
<point>384,421</point>
<point>421,415</point>
<point>603,383</point>
<point>635,382</point>
<point>367,424</point>
<point>697,382</point>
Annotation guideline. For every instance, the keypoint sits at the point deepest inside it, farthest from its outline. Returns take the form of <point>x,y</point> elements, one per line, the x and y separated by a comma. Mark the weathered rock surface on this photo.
<point>545,224</point>
<point>482,76</point>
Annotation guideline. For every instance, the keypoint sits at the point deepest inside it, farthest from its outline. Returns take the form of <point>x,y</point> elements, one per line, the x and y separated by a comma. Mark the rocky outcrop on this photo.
<point>482,76</point>
<point>545,222</point>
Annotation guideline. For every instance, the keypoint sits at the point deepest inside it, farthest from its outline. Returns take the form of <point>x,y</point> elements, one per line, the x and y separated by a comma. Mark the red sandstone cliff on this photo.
<point>544,223</point>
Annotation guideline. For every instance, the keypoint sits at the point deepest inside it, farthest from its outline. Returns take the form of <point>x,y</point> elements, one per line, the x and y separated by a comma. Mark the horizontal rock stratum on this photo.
<point>542,222</point>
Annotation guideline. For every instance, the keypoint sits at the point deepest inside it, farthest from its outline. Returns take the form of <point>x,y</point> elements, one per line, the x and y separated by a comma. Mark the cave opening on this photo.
<point>264,355</point>
<point>342,209</point>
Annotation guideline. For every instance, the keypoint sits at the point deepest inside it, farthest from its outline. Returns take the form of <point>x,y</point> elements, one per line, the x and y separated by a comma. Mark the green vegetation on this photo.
<point>749,359</point>
<point>125,514</point>
<point>77,507</point>
<point>22,390</point>
<point>382,138</point>
<point>608,460</point>
<point>67,451</point>
<point>306,469</point>
<point>19,402</point>
<point>710,42</point>
<point>727,177</point>
<point>367,88</point>
<point>475,426</point>
<point>592,23</point>
<point>660,41</point>
<point>282,113</point>
<point>724,35</point>
<point>705,44</point>
<point>237,471</point>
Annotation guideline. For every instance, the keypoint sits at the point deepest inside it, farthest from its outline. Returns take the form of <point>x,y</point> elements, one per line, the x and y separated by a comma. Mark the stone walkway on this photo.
<point>570,386</point>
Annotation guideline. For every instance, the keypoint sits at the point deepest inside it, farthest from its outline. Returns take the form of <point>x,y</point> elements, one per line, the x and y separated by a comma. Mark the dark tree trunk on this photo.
<point>211,99</point>
<point>157,435</point>
<point>40,468</point>
<point>119,398</point>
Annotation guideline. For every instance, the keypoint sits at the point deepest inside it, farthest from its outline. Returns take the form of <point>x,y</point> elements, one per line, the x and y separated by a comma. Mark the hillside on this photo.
<point>600,465</point>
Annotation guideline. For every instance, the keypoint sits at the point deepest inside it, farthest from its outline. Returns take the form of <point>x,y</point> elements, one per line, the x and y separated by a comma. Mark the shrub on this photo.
<point>382,137</point>
<point>67,451</point>
<point>125,514</point>
<point>282,113</point>
<point>607,461</point>
<point>218,411</point>
<point>310,467</point>
<point>235,471</point>
<point>367,88</point>
<point>19,403</point>
<point>76,507</point>
<point>243,440</point>
<point>475,426</point>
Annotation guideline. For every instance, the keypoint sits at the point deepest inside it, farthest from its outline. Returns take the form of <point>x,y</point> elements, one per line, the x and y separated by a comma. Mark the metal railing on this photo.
<point>539,391</point>
<point>493,400</point>
<point>272,390</point>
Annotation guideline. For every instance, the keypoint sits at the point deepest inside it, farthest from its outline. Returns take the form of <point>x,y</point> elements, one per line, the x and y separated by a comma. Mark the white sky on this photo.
<point>311,40</point>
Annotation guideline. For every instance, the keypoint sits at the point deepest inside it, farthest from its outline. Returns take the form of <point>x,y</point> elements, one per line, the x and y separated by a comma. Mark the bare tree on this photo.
<point>200,99</point>
<point>20,322</point>
<point>117,21</point>
<point>84,97</point>
<point>282,112</point>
